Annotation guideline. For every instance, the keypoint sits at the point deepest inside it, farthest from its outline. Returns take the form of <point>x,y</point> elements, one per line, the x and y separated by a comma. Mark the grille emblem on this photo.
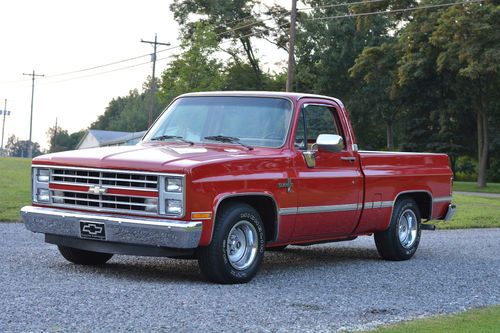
<point>97,190</point>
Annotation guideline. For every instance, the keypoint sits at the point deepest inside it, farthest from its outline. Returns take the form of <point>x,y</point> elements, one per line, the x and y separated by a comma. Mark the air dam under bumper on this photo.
<point>119,229</point>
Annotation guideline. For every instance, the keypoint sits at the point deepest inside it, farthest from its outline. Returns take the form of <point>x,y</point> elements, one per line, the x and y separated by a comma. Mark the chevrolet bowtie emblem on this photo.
<point>97,190</point>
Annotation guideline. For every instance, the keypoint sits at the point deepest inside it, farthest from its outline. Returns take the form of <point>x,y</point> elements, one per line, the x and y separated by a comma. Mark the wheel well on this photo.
<point>423,200</point>
<point>264,205</point>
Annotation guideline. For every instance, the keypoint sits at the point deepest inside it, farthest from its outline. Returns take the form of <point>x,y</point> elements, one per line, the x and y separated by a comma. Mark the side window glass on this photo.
<point>300,135</point>
<point>319,120</point>
<point>313,121</point>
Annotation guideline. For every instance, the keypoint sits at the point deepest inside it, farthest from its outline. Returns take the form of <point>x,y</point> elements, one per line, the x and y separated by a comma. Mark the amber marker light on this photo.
<point>201,215</point>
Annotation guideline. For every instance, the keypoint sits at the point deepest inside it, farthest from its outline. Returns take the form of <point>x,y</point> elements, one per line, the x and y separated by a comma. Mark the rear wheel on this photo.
<point>237,246</point>
<point>400,241</point>
<point>82,257</point>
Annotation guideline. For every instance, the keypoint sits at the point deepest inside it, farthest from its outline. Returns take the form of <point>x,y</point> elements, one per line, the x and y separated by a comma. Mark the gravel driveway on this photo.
<point>320,288</point>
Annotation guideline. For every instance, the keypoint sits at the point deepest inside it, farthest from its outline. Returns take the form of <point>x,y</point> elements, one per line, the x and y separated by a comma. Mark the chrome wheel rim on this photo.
<point>241,245</point>
<point>407,228</point>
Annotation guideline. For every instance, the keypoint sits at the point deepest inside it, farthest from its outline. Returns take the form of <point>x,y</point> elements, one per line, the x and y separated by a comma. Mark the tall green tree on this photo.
<point>61,140</point>
<point>127,113</point>
<point>195,69</point>
<point>232,20</point>
<point>468,40</point>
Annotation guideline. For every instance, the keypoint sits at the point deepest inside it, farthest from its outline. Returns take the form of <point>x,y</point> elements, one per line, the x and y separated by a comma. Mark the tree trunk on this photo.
<point>390,136</point>
<point>482,148</point>
<point>247,46</point>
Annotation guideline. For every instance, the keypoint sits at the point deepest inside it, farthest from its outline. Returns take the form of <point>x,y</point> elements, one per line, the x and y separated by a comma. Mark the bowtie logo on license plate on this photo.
<point>92,230</point>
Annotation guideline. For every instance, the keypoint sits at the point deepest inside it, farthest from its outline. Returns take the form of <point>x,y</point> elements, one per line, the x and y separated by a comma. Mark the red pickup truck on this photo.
<point>224,176</point>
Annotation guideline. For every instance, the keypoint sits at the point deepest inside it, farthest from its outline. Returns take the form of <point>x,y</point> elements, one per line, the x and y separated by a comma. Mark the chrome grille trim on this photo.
<point>106,178</point>
<point>134,181</point>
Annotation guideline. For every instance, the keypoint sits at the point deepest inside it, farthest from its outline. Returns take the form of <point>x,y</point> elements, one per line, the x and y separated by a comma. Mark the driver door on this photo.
<point>329,194</point>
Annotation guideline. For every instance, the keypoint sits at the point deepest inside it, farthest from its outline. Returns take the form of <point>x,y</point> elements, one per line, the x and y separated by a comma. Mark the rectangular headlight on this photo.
<point>173,184</point>
<point>173,206</point>
<point>43,195</point>
<point>43,175</point>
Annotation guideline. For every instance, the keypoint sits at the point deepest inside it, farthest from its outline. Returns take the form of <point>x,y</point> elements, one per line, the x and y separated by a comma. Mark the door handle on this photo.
<point>348,158</point>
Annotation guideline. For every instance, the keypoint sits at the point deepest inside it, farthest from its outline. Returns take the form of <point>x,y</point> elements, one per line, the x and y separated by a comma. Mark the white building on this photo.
<point>99,138</point>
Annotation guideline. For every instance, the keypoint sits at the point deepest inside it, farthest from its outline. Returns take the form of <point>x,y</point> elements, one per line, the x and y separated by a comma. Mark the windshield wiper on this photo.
<point>174,137</point>
<point>228,139</point>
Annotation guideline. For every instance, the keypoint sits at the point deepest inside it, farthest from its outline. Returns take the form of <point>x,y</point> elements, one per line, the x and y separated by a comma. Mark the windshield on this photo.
<point>251,121</point>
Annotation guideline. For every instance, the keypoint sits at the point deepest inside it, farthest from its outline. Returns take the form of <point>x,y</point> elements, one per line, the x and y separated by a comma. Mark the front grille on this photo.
<point>76,195</point>
<point>107,178</point>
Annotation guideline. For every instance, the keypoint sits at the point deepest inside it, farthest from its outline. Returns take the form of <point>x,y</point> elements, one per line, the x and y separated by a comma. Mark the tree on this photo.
<point>60,140</point>
<point>19,148</point>
<point>468,40</point>
<point>195,69</point>
<point>128,113</point>
<point>231,20</point>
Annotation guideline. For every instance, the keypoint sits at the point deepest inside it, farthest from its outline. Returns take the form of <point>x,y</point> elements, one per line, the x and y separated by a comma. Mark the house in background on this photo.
<point>99,138</point>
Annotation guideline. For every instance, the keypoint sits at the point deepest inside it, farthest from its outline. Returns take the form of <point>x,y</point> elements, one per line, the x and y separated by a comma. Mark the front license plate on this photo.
<point>92,230</point>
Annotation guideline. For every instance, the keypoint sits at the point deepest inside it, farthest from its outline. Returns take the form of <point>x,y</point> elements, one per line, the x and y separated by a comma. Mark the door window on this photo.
<point>313,121</point>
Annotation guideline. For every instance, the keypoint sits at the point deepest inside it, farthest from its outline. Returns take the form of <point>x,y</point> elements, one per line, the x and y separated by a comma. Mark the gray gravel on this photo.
<point>322,288</point>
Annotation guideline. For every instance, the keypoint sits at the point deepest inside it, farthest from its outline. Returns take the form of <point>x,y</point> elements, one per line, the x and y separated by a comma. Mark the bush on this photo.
<point>466,169</point>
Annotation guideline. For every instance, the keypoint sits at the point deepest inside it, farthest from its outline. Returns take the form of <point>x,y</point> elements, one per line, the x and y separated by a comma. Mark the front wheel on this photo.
<point>400,241</point>
<point>237,246</point>
<point>82,257</point>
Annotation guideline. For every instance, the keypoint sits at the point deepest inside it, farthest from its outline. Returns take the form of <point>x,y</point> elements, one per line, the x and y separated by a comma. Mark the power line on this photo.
<point>340,4</point>
<point>394,10</point>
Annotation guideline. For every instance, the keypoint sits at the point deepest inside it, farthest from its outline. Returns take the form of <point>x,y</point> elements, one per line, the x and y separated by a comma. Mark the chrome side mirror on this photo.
<point>332,143</point>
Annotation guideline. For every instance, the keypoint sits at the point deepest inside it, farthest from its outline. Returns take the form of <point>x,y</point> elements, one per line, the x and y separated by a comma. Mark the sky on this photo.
<point>54,37</point>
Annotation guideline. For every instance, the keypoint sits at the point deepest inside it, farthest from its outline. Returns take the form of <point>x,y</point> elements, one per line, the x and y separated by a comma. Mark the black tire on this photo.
<point>82,257</point>
<point>215,260</point>
<point>277,248</point>
<point>391,243</point>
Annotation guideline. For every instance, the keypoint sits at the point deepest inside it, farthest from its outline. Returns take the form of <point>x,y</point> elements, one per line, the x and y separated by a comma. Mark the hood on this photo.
<point>158,157</point>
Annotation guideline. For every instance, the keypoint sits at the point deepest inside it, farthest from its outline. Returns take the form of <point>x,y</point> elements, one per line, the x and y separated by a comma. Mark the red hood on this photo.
<point>158,157</point>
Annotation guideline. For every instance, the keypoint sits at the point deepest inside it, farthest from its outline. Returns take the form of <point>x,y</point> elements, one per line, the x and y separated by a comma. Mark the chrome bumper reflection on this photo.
<point>120,229</point>
<point>452,208</point>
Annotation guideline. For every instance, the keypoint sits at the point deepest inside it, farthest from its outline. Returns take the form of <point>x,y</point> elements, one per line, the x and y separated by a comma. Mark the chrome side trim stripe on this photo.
<point>288,211</point>
<point>379,204</point>
<point>334,208</point>
<point>324,209</point>
<point>441,199</point>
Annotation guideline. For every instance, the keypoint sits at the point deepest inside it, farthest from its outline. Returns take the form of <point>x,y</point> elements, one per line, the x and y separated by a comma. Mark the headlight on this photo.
<point>173,206</point>
<point>40,185</point>
<point>43,175</point>
<point>173,184</point>
<point>172,195</point>
<point>43,195</point>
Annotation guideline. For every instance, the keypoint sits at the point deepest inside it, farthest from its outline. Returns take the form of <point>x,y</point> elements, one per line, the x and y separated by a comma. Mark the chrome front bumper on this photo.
<point>119,229</point>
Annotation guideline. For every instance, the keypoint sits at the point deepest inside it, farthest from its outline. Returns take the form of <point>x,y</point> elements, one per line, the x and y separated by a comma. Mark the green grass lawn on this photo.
<point>15,191</point>
<point>473,212</point>
<point>15,186</point>
<point>484,320</point>
<point>472,187</point>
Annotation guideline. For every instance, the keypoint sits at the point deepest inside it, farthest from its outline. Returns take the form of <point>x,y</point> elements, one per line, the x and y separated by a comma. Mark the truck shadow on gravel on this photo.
<point>149,269</point>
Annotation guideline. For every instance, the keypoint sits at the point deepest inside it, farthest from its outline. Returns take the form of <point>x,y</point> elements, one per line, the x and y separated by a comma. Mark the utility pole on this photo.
<point>153,78</point>
<point>5,114</point>
<point>291,47</point>
<point>30,144</point>
<point>53,150</point>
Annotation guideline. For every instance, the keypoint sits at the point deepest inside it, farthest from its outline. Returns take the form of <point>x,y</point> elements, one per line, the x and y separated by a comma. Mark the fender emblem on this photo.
<point>288,185</point>
<point>97,190</point>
